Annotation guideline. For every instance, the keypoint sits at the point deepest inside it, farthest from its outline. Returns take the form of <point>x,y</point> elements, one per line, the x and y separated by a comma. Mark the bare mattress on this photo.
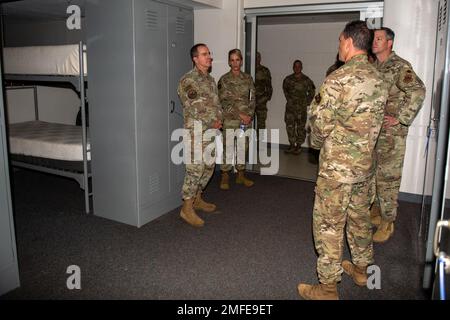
<point>43,60</point>
<point>39,139</point>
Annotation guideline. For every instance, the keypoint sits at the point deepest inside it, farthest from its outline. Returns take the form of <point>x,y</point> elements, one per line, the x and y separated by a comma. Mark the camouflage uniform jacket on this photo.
<point>199,96</point>
<point>346,117</point>
<point>298,92</point>
<point>406,94</point>
<point>263,83</point>
<point>237,94</point>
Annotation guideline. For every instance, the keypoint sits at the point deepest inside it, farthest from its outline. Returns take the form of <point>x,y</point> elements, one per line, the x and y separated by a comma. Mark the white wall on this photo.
<point>222,30</point>
<point>414,23</point>
<point>316,44</point>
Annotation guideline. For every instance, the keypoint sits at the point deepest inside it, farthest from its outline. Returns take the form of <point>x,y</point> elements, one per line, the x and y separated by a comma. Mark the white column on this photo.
<point>414,23</point>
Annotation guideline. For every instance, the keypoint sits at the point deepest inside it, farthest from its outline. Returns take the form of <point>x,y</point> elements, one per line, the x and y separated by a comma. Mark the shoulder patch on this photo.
<point>192,94</point>
<point>408,77</point>
<point>318,98</point>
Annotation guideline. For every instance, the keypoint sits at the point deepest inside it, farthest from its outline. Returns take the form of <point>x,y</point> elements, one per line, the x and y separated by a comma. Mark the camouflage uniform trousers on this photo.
<point>338,205</point>
<point>228,166</point>
<point>390,155</point>
<point>261,113</point>
<point>197,174</point>
<point>295,119</point>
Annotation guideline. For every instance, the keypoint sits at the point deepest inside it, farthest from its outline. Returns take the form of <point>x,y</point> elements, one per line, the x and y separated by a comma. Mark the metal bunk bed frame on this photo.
<point>78,83</point>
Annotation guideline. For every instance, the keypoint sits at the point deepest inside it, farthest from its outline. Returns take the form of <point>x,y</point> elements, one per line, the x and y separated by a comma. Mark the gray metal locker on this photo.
<point>9,269</point>
<point>137,52</point>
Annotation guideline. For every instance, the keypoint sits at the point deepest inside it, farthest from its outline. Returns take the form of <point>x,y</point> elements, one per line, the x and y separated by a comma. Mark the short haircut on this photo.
<point>234,51</point>
<point>297,61</point>
<point>361,35</point>
<point>194,50</point>
<point>390,35</point>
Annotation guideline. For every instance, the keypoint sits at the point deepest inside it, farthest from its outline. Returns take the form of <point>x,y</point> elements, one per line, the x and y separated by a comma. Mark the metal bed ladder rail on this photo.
<point>82,86</point>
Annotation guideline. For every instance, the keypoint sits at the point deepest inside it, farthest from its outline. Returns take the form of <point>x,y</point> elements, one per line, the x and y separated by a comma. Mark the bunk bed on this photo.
<point>50,147</point>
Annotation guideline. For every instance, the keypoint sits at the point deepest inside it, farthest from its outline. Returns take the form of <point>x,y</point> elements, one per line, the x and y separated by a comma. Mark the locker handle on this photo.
<point>172,105</point>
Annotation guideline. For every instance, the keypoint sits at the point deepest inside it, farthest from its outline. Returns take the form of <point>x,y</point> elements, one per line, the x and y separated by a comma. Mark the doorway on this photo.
<point>309,33</point>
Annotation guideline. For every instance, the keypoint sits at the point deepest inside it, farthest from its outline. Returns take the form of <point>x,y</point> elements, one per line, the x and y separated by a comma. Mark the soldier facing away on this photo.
<point>198,94</point>
<point>345,118</point>
<point>263,85</point>
<point>406,95</point>
<point>237,96</point>
<point>299,91</point>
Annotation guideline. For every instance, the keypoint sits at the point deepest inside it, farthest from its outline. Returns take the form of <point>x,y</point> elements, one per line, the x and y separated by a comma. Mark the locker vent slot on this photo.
<point>154,183</point>
<point>151,20</point>
<point>180,23</point>
<point>444,14</point>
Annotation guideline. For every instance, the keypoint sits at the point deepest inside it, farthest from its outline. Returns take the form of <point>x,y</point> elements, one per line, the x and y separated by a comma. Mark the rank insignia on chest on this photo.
<point>318,98</point>
<point>192,94</point>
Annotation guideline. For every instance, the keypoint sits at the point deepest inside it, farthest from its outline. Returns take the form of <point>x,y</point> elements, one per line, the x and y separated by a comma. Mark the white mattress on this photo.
<point>47,140</point>
<point>43,60</point>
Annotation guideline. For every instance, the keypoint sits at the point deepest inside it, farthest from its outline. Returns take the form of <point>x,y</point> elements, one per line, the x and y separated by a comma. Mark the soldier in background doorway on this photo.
<point>299,91</point>
<point>336,65</point>
<point>263,85</point>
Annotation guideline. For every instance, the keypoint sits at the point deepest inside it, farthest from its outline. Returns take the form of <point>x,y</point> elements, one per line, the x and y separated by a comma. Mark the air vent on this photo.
<point>151,20</point>
<point>154,184</point>
<point>180,23</point>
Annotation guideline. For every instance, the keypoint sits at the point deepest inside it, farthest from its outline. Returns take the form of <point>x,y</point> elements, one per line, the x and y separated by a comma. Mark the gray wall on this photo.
<point>19,33</point>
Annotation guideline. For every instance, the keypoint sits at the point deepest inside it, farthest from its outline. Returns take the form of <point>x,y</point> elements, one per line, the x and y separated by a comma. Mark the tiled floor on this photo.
<point>302,166</point>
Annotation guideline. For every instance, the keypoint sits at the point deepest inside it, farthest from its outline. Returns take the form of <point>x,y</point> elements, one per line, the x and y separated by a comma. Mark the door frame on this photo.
<point>367,10</point>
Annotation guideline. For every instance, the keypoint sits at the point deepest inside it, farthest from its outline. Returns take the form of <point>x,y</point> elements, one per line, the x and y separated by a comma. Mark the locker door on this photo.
<point>181,39</point>
<point>151,107</point>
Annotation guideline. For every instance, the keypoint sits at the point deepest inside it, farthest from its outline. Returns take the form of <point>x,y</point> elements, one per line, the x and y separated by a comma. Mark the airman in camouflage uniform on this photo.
<point>299,91</point>
<point>406,95</point>
<point>198,94</point>
<point>263,85</point>
<point>345,117</point>
<point>237,96</point>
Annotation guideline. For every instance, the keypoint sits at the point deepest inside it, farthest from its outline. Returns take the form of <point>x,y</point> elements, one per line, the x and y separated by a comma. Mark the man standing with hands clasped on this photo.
<point>345,118</point>
<point>198,94</point>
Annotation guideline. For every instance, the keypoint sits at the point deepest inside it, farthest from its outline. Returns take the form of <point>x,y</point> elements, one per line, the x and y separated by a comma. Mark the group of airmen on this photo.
<point>358,120</point>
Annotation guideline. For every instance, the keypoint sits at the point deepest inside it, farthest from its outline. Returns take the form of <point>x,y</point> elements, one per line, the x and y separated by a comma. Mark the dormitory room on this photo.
<point>108,193</point>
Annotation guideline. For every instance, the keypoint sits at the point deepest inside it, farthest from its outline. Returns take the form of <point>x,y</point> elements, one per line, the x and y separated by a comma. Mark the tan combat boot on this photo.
<point>358,273</point>
<point>318,292</point>
<point>375,215</point>
<point>225,182</point>
<point>200,204</point>
<point>189,215</point>
<point>241,179</point>
<point>384,231</point>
